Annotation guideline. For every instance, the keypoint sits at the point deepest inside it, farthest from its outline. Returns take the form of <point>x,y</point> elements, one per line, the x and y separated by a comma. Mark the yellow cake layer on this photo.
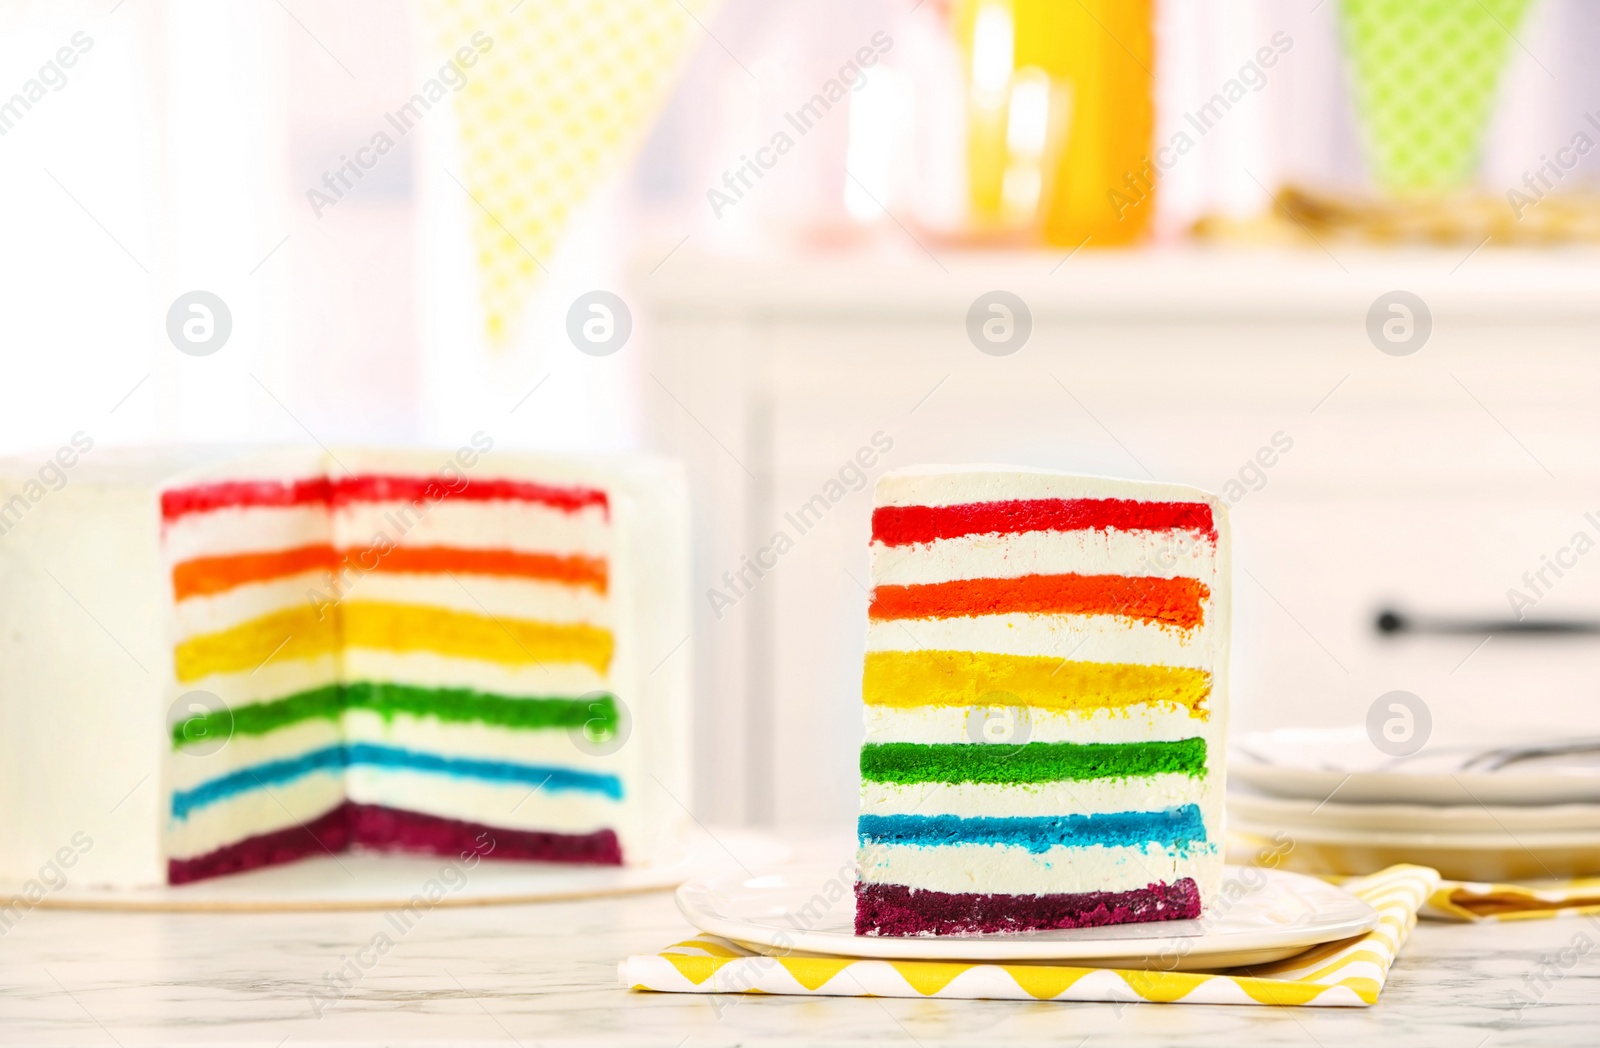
<point>298,633</point>
<point>977,678</point>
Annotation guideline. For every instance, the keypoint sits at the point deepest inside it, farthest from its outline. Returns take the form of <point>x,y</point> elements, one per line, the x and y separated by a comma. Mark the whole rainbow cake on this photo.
<point>1046,703</point>
<point>439,652</point>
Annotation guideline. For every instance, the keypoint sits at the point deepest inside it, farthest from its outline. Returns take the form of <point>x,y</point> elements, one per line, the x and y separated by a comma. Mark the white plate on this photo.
<point>1499,856</point>
<point>788,912</point>
<point>370,881</point>
<point>1293,813</point>
<point>1500,840</point>
<point>1342,764</point>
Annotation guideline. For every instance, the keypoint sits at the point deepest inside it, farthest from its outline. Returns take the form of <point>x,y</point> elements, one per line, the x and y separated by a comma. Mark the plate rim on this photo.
<point>1510,791</point>
<point>999,949</point>
<point>540,882</point>
<point>1406,807</point>
<point>1314,834</point>
<point>1303,812</point>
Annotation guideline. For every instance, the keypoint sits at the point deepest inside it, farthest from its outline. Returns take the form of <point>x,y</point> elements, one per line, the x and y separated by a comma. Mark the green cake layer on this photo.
<point>446,704</point>
<point>910,762</point>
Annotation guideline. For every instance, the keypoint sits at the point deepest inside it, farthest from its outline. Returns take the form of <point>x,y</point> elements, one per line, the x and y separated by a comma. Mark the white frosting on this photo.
<point>83,668</point>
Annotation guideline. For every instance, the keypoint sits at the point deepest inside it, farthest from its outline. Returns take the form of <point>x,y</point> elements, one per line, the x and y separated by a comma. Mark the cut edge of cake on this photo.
<point>1079,626</point>
<point>103,535</point>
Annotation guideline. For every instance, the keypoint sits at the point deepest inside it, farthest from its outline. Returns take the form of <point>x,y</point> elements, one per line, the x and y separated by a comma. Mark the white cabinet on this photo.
<point>1432,480</point>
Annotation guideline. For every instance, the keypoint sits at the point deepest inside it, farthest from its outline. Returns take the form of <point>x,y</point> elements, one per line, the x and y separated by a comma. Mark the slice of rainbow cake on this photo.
<point>441,652</point>
<point>1046,703</point>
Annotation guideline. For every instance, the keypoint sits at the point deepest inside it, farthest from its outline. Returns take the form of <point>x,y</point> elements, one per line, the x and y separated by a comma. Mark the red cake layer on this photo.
<point>904,525</point>
<point>391,829</point>
<point>894,909</point>
<point>280,494</point>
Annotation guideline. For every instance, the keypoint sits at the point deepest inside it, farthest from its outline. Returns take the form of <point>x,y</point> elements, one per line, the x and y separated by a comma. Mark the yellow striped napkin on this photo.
<point>1470,901</point>
<point>1349,973</point>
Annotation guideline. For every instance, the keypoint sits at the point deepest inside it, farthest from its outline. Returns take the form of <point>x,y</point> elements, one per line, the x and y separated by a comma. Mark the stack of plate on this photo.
<point>1327,801</point>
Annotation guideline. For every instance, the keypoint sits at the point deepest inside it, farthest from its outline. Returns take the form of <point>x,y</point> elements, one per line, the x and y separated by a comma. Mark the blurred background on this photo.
<point>1332,259</point>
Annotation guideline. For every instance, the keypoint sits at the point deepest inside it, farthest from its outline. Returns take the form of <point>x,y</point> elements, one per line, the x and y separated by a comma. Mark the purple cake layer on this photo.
<point>326,833</point>
<point>894,909</point>
<point>392,829</point>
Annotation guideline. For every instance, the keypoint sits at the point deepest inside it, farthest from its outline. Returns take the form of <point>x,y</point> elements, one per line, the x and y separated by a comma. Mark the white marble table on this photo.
<point>547,974</point>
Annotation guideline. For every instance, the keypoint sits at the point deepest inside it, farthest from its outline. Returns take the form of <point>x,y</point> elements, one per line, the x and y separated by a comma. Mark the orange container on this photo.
<point>1060,113</point>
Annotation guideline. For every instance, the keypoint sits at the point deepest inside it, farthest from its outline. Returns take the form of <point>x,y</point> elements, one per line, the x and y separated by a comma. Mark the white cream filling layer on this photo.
<point>294,804</point>
<point>511,805</point>
<point>523,599</point>
<point>527,527</point>
<point>975,800</point>
<point>1011,870</point>
<point>547,747</point>
<point>1161,554</point>
<point>552,747</point>
<point>1015,725</point>
<point>253,813</point>
<point>254,529</point>
<point>1081,638</point>
<point>494,596</point>
<point>193,766</point>
<point>263,809</point>
<point>214,612</point>
<point>274,679</point>
<point>427,670</point>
